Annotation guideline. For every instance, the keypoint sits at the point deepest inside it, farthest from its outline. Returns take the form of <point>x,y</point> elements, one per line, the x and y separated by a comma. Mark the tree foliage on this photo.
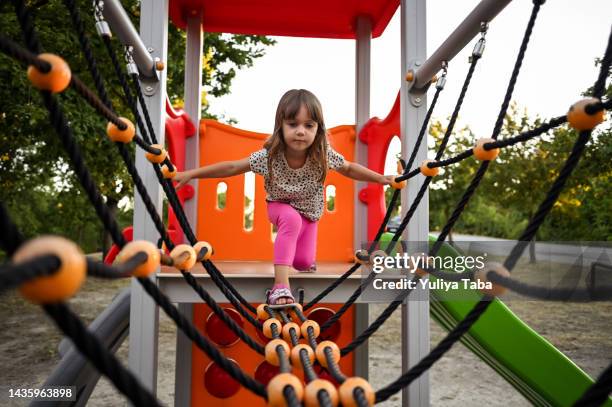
<point>519,179</point>
<point>38,185</point>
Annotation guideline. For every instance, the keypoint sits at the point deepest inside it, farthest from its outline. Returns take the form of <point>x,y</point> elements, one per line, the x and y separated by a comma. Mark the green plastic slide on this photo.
<point>544,375</point>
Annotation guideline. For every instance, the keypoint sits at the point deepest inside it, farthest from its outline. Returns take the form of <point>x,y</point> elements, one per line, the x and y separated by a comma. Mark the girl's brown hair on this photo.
<point>288,108</point>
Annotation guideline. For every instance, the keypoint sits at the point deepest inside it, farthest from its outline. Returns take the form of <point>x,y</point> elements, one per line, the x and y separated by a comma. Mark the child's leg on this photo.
<point>306,249</point>
<point>289,223</point>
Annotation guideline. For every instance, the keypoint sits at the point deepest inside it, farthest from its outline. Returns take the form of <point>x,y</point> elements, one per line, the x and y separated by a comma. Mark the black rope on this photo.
<point>123,270</point>
<point>552,294</point>
<point>65,132</point>
<point>309,372</point>
<point>291,397</point>
<point>598,392</point>
<point>434,355</point>
<point>13,275</point>
<point>599,89</point>
<point>550,199</point>
<point>201,342</point>
<point>10,238</point>
<point>11,48</point>
<point>332,366</point>
<point>360,397</point>
<point>60,123</point>
<point>91,347</point>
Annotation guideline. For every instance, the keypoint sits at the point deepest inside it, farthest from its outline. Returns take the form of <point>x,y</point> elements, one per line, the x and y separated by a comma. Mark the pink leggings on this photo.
<point>296,238</point>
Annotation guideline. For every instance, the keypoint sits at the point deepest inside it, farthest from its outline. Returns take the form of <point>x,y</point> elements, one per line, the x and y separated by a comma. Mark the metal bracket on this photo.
<point>416,95</point>
<point>149,87</point>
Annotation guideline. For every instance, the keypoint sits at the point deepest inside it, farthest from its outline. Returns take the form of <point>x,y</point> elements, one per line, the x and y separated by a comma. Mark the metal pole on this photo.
<point>144,313</point>
<point>121,25</point>
<point>486,11</point>
<point>362,115</point>
<point>415,310</point>
<point>193,106</point>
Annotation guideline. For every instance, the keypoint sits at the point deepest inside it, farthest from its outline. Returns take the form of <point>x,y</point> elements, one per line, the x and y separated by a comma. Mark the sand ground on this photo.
<point>29,340</point>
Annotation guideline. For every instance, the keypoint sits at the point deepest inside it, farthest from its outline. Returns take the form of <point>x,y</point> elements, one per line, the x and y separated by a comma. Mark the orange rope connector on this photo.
<point>153,257</point>
<point>184,256</point>
<point>276,386</point>
<point>157,158</point>
<point>429,172</point>
<point>198,248</point>
<point>167,173</point>
<point>65,282</point>
<point>121,136</point>
<point>314,325</point>
<point>410,76</point>
<point>54,81</point>
<point>320,352</point>
<point>262,313</point>
<point>485,155</point>
<point>480,276</point>
<point>270,351</point>
<point>348,387</point>
<point>579,119</point>
<point>314,387</point>
<point>286,332</point>
<point>295,355</point>
<point>267,326</point>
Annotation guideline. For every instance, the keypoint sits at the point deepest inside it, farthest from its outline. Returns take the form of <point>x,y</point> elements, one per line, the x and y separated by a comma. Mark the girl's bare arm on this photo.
<point>360,173</point>
<point>218,170</point>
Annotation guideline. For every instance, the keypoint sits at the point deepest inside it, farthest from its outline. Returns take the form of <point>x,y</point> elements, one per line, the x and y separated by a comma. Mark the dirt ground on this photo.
<point>29,340</point>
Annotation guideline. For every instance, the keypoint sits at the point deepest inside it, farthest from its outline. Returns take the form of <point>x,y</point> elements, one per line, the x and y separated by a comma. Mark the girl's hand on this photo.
<point>387,179</point>
<point>182,178</point>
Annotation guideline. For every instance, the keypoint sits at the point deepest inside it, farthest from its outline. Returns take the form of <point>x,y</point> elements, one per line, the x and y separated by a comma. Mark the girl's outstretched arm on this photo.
<point>360,173</point>
<point>218,170</point>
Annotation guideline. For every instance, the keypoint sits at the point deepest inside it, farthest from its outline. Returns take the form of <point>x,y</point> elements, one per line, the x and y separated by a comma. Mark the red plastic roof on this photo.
<point>296,18</point>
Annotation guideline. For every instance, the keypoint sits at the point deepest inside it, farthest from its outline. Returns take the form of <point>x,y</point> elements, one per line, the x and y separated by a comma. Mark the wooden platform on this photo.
<point>253,278</point>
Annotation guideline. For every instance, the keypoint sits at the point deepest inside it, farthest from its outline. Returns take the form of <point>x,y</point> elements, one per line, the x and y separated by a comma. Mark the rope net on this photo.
<point>49,261</point>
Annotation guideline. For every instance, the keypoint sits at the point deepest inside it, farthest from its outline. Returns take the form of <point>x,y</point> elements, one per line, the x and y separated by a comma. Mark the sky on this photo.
<point>558,66</point>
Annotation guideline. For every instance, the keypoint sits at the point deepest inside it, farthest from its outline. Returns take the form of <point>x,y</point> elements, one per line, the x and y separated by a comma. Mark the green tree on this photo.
<point>37,176</point>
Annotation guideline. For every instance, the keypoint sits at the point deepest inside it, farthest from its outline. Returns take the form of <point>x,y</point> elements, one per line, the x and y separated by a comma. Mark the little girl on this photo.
<point>294,163</point>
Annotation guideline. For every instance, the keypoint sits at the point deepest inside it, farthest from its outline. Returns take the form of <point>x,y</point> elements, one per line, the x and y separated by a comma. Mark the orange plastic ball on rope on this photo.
<point>314,387</point>
<point>184,256</point>
<point>314,325</point>
<point>320,352</point>
<point>429,172</point>
<point>275,388</point>
<point>121,136</point>
<point>346,391</point>
<point>296,360</point>
<point>153,257</point>
<point>262,313</point>
<point>399,185</point>
<point>286,332</point>
<point>293,310</point>
<point>157,158</point>
<point>485,155</point>
<point>65,282</point>
<point>270,351</point>
<point>480,276</point>
<point>267,327</point>
<point>54,81</point>
<point>579,119</point>
<point>167,174</point>
<point>199,246</point>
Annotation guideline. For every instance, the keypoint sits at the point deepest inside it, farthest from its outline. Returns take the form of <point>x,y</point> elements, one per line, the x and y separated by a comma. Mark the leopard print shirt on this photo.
<point>299,187</point>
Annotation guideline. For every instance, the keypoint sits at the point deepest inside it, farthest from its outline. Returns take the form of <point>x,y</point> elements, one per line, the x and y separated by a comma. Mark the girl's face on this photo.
<point>300,132</point>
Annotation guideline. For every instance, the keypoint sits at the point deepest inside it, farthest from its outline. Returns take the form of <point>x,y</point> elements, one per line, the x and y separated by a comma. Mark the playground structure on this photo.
<point>210,146</point>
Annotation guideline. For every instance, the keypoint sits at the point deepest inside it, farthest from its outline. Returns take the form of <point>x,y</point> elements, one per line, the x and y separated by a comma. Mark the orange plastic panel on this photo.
<point>249,360</point>
<point>223,228</point>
